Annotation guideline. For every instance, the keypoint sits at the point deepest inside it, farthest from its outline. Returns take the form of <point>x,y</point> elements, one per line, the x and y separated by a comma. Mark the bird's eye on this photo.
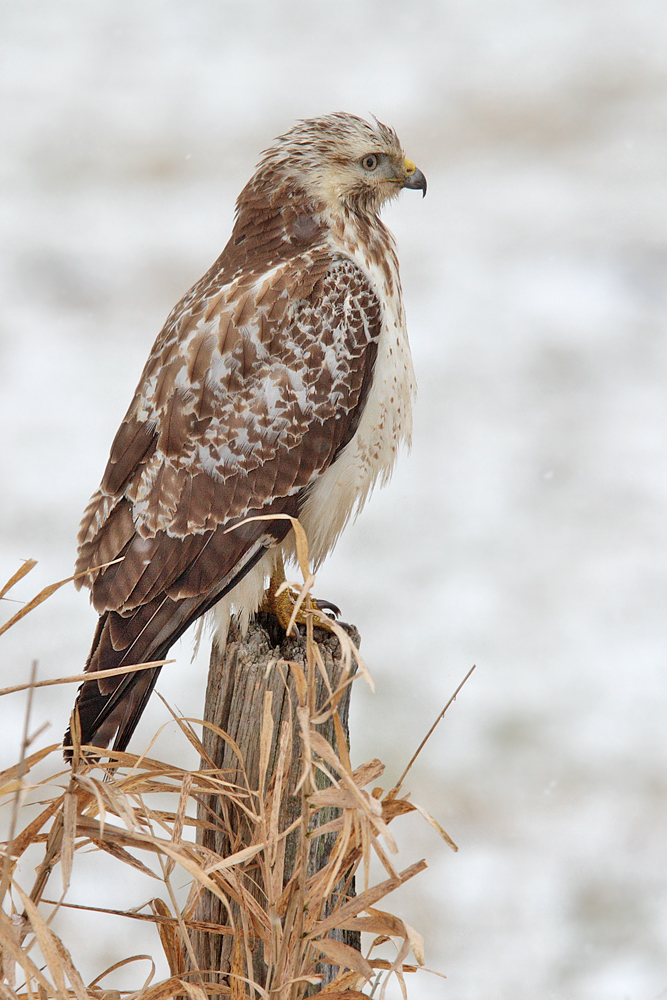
<point>370,161</point>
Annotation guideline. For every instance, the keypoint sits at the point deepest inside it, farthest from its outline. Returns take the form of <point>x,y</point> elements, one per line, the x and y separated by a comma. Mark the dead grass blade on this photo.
<point>11,946</point>
<point>122,855</point>
<point>265,739</point>
<point>42,596</point>
<point>167,929</point>
<point>359,903</point>
<point>79,678</point>
<point>47,944</point>
<point>69,835</point>
<point>12,773</point>
<point>177,830</point>
<point>431,730</point>
<point>341,994</point>
<point>121,965</point>
<point>344,956</point>
<point>177,986</point>
<point>22,571</point>
<point>20,774</point>
<point>436,826</point>
<point>70,970</point>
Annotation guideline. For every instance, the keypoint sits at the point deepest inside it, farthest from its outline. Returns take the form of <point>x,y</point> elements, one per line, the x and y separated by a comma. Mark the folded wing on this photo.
<point>252,390</point>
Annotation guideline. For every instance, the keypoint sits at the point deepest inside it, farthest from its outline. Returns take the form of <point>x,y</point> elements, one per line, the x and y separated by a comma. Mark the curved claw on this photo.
<point>327,606</point>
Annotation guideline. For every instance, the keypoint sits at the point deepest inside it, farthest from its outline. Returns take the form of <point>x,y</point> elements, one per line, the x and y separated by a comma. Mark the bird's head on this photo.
<point>340,162</point>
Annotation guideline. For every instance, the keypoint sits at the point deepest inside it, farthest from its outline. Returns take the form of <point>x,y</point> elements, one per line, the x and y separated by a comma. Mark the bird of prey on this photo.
<point>280,384</point>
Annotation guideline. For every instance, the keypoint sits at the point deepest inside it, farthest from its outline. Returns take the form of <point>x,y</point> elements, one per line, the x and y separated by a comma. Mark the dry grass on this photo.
<point>141,811</point>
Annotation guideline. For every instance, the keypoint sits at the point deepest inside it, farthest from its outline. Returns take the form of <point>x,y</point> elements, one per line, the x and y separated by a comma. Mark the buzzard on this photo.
<point>280,384</point>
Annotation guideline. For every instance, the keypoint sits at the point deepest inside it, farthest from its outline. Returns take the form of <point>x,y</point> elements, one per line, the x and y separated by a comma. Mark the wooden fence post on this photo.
<point>238,683</point>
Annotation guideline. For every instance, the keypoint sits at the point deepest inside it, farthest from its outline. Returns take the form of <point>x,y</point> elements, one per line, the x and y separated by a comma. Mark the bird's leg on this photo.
<point>281,605</point>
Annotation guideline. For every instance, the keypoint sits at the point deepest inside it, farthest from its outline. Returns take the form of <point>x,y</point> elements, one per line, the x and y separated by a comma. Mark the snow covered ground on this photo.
<point>526,531</point>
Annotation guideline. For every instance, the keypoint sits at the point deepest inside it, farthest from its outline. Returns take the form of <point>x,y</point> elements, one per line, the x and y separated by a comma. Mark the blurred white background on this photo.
<point>526,531</point>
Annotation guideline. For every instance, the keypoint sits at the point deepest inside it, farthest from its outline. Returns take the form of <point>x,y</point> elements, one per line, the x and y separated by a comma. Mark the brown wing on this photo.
<point>249,394</point>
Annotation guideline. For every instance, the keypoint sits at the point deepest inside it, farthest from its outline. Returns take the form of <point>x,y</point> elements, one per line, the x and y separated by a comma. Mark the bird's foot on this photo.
<point>281,603</point>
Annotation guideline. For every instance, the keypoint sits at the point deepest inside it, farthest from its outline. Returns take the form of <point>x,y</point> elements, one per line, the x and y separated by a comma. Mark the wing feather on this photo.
<point>279,412</point>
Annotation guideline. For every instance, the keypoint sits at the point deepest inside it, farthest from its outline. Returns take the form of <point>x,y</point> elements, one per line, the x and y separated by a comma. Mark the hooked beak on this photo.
<point>414,178</point>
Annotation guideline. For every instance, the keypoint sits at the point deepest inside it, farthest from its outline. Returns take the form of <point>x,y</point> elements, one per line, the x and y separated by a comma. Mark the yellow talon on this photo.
<point>282,604</point>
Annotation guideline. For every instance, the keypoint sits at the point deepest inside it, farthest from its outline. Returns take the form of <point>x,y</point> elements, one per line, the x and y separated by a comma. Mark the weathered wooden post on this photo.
<point>254,671</point>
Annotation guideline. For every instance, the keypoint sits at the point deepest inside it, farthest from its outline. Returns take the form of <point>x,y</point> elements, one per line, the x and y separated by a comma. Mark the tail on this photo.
<point>111,707</point>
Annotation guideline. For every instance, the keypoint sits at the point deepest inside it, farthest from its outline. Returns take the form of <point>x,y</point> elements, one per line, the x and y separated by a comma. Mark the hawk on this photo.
<point>280,384</point>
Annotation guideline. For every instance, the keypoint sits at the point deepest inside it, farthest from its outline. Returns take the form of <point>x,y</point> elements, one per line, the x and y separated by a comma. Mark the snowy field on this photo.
<point>526,531</point>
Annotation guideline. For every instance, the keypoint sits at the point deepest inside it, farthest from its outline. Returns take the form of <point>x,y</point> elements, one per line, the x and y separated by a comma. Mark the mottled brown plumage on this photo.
<point>281,383</point>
